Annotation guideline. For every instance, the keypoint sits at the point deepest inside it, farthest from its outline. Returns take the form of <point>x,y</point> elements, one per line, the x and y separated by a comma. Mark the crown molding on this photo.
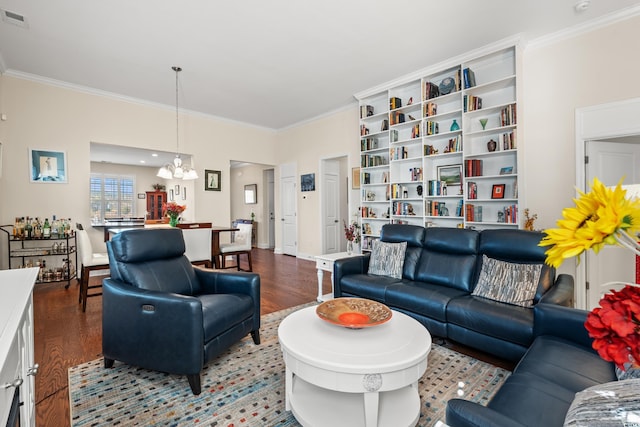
<point>584,28</point>
<point>118,97</point>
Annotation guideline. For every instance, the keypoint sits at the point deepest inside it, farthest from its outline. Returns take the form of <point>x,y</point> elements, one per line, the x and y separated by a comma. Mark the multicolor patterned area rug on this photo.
<point>245,387</point>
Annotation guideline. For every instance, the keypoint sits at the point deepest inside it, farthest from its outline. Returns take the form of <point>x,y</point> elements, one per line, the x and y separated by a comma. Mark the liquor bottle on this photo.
<point>28,229</point>
<point>46,229</point>
<point>54,227</point>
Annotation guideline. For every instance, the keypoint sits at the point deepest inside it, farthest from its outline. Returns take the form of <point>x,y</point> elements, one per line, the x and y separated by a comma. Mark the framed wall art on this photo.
<point>308,182</point>
<point>451,174</point>
<point>212,180</point>
<point>355,178</point>
<point>498,191</point>
<point>48,166</point>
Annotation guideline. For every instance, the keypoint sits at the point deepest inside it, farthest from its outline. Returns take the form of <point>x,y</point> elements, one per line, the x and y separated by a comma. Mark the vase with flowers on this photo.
<point>173,211</point>
<point>352,234</point>
<point>604,216</point>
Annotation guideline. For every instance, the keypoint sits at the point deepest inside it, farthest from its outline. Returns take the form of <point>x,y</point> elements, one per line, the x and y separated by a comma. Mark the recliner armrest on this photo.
<point>462,413</point>
<point>346,266</point>
<point>216,282</point>
<point>562,322</point>
<point>133,318</point>
<point>561,293</point>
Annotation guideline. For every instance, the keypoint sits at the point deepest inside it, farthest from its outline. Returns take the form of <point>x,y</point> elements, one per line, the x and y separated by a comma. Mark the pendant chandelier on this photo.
<point>177,170</point>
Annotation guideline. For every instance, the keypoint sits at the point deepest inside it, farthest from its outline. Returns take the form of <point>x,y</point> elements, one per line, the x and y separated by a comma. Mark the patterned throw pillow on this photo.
<point>611,404</point>
<point>628,373</point>
<point>387,259</point>
<point>508,282</point>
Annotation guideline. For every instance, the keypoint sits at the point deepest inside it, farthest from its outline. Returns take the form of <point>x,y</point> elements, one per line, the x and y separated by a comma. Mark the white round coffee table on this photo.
<point>367,377</point>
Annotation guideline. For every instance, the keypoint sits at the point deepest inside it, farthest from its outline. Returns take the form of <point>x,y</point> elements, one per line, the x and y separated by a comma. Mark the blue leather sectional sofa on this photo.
<point>548,340</point>
<point>441,269</point>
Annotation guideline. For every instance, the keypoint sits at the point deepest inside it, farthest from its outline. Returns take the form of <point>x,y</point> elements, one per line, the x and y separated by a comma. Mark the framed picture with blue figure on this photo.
<point>308,182</point>
<point>48,166</point>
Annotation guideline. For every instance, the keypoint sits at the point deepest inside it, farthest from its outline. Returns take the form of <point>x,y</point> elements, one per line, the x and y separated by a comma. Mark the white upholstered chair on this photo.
<point>197,243</point>
<point>241,245</point>
<point>89,261</point>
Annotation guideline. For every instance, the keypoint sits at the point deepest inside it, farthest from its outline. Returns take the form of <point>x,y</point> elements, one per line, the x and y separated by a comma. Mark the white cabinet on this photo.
<point>17,368</point>
<point>440,147</point>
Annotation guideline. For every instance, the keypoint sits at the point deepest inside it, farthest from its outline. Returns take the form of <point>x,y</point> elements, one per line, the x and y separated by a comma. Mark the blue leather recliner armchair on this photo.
<point>162,314</point>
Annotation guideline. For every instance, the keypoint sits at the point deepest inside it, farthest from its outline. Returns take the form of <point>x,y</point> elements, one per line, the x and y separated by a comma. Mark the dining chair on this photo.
<point>197,242</point>
<point>89,261</point>
<point>241,245</point>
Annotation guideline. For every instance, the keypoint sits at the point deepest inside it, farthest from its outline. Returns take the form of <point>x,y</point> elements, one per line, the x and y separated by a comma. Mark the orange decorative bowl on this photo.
<point>354,313</point>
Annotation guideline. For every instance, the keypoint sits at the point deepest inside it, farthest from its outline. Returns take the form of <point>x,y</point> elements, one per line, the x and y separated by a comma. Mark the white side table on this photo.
<point>325,263</point>
<point>344,377</point>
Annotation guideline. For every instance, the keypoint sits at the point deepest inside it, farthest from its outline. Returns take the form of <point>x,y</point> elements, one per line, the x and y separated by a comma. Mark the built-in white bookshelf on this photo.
<point>426,157</point>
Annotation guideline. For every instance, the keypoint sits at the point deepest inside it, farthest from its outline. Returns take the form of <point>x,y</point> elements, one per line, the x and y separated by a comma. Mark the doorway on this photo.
<point>610,135</point>
<point>334,203</point>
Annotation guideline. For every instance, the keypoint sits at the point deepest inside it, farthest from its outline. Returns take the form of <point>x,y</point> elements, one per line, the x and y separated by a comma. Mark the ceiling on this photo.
<point>268,63</point>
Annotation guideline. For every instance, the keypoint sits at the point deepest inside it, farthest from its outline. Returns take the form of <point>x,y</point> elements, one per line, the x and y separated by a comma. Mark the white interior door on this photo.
<point>331,206</point>
<point>613,266</point>
<point>288,209</point>
<point>271,209</point>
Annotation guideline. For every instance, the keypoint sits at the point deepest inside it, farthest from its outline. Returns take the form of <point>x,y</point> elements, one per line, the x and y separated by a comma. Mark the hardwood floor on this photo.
<point>65,336</point>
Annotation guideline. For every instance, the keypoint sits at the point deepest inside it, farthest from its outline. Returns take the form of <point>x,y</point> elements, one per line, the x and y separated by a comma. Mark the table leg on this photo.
<point>371,403</point>
<point>288,388</point>
<point>320,277</point>
<point>215,249</point>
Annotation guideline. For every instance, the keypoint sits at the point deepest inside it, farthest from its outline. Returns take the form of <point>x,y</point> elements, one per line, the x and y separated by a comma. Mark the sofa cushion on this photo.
<point>508,282</point>
<point>366,286</point>
<point>387,259</point>
<point>628,373</point>
<point>610,404</point>
<point>568,364</point>
<point>499,320</point>
<point>223,311</point>
<point>428,299</point>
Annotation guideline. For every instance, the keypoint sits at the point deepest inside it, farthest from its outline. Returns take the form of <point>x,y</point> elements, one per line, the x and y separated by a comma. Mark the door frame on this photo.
<point>338,158</point>
<point>600,122</point>
<point>287,170</point>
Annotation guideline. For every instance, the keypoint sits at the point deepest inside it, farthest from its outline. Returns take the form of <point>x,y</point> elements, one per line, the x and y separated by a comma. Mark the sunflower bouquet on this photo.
<point>602,217</point>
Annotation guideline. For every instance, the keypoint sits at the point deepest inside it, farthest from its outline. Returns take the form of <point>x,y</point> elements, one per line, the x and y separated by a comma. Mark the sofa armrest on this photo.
<point>462,413</point>
<point>563,322</point>
<point>346,266</point>
<point>215,282</point>
<point>562,292</point>
<point>133,319</point>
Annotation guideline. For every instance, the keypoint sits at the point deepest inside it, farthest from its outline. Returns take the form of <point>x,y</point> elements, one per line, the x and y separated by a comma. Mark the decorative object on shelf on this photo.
<point>308,182</point>
<point>507,170</point>
<point>528,220</point>
<point>483,122</point>
<point>410,102</point>
<point>454,126</point>
<point>419,190</point>
<point>352,234</point>
<point>604,216</point>
<point>450,174</point>
<point>212,180</point>
<point>446,85</point>
<point>159,187</point>
<point>497,191</point>
<point>48,166</point>
<point>177,170</point>
<point>492,145</point>
<point>354,313</point>
<point>371,196</point>
<point>173,211</point>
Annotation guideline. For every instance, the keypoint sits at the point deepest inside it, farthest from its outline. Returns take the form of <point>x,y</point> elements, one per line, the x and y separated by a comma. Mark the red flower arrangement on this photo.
<point>615,327</point>
<point>351,232</point>
<point>172,209</point>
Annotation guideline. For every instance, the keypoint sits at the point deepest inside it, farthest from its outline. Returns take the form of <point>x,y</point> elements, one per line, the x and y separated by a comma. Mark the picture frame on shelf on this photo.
<point>48,166</point>
<point>451,174</point>
<point>507,170</point>
<point>212,180</point>
<point>497,192</point>
<point>355,178</point>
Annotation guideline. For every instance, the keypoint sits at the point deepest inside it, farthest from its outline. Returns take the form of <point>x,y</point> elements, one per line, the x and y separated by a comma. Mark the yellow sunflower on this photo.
<point>602,217</point>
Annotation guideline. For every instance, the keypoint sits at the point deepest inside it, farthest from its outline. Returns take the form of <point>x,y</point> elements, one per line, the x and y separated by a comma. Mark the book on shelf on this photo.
<point>473,213</point>
<point>472,103</point>
<point>364,130</point>
<point>430,109</point>
<point>396,117</point>
<point>415,131</point>
<point>473,167</point>
<point>367,144</point>
<point>431,128</point>
<point>394,135</point>
<point>429,150</point>
<point>436,188</point>
<point>366,178</point>
<point>459,208</point>
<point>399,191</point>
<point>436,208</point>
<point>469,78</point>
<point>366,111</point>
<point>384,125</point>
<point>369,160</point>
<point>368,212</point>
<point>403,209</point>
<point>458,80</point>
<point>398,153</point>
<point>472,190</point>
<point>415,174</point>
<point>454,145</point>
<point>385,177</point>
<point>431,90</point>
<point>508,115</point>
<point>508,141</point>
<point>395,102</point>
<point>508,214</point>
